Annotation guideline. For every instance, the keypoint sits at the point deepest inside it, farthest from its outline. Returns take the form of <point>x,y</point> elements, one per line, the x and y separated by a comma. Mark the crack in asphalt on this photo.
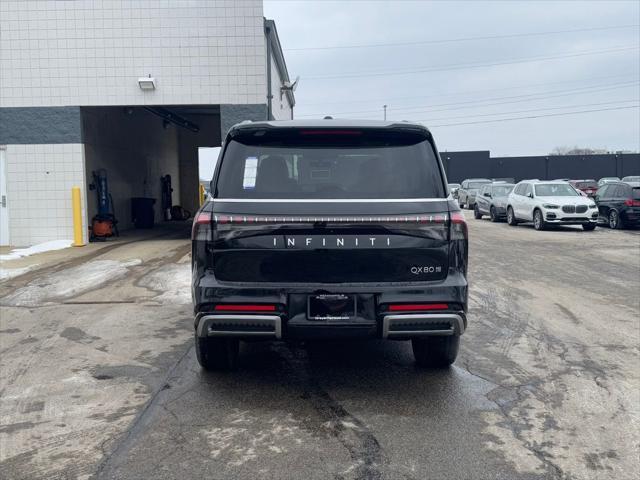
<point>140,422</point>
<point>352,433</point>
<point>530,384</point>
<point>516,428</point>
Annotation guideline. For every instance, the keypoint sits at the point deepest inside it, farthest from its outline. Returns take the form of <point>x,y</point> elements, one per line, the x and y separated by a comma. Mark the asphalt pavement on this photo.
<point>98,376</point>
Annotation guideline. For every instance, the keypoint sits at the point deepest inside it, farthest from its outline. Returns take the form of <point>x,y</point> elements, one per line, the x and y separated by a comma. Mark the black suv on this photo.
<point>619,204</point>
<point>329,229</point>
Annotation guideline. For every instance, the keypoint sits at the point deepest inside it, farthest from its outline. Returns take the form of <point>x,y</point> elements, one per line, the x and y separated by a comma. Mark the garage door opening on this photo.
<point>142,165</point>
<point>207,159</point>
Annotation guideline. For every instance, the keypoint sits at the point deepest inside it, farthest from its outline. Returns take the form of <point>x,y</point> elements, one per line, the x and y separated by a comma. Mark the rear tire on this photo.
<point>614,220</point>
<point>511,217</point>
<point>476,212</point>
<point>493,215</point>
<point>438,352</point>
<point>217,353</point>
<point>589,226</point>
<point>538,221</point>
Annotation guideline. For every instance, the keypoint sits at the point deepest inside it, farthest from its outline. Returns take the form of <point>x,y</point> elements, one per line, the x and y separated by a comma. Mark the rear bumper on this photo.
<point>265,326</point>
<point>423,324</point>
<point>276,327</point>
<point>631,216</point>
<point>372,320</point>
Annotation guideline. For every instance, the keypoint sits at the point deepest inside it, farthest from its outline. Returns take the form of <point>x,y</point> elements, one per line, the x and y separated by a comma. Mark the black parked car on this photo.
<point>619,204</point>
<point>492,200</point>
<point>326,229</point>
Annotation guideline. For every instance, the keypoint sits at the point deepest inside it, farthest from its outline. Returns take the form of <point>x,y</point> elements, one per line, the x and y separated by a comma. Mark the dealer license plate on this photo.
<point>331,307</point>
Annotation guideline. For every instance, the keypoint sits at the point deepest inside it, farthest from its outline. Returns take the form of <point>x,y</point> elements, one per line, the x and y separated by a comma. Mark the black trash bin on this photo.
<point>142,213</point>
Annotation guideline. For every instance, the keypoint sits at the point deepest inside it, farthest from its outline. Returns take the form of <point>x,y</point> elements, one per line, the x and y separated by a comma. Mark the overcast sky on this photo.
<point>596,67</point>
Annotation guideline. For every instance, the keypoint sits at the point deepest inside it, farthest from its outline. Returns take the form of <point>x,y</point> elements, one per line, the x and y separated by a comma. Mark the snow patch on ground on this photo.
<point>40,248</point>
<point>242,437</point>
<point>174,281</point>
<point>7,273</point>
<point>69,282</point>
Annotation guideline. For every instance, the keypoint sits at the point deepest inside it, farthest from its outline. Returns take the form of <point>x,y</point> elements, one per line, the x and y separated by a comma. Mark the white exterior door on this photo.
<point>4,211</point>
<point>521,204</point>
<point>516,202</point>
<point>527,204</point>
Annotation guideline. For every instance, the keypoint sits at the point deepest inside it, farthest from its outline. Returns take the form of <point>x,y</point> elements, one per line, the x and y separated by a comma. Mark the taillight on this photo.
<point>201,229</point>
<point>241,307</point>
<point>629,202</point>
<point>458,226</point>
<point>414,307</point>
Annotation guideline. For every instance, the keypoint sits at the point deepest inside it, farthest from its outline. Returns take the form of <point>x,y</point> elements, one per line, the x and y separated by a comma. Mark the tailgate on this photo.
<point>330,249</point>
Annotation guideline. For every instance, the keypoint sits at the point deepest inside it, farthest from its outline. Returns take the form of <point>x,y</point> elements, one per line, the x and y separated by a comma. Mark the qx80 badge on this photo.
<point>425,269</point>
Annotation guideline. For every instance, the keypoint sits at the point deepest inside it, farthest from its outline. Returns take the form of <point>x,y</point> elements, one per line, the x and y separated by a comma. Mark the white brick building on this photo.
<point>71,103</point>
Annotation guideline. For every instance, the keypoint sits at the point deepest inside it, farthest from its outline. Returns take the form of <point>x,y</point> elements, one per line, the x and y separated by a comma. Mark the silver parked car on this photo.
<point>492,200</point>
<point>631,179</point>
<point>604,180</point>
<point>468,190</point>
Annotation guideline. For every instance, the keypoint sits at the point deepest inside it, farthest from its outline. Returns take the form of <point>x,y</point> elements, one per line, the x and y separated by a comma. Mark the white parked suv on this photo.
<point>550,203</point>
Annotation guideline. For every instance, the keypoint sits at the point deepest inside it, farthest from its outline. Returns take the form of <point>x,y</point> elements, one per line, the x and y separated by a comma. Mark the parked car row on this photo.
<point>615,203</point>
<point>631,178</point>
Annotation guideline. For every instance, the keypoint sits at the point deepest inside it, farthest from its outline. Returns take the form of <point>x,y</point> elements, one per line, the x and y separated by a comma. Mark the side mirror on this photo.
<point>487,194</point>
<point>530,195</point>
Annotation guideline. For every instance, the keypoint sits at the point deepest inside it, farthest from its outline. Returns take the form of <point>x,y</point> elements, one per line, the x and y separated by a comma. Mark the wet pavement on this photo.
<point>99,377</point>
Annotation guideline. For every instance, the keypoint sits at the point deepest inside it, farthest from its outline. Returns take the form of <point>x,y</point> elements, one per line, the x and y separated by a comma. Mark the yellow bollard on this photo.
<point>77,217</point>
<point>202,194</point>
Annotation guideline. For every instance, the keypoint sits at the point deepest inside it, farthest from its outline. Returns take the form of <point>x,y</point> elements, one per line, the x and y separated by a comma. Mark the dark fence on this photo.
<point>479,164</point>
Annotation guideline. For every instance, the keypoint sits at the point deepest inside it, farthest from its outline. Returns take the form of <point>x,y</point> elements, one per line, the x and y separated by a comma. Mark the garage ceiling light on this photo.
<point>147,83</point>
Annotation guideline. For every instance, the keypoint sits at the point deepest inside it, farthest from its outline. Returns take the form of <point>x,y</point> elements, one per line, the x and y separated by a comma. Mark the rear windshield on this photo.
<point>302,170</point>
<point>502,191</point>
<point>587,184</point>
<point>555,190</point>
<point>636,193</point>
<point>476,185</point>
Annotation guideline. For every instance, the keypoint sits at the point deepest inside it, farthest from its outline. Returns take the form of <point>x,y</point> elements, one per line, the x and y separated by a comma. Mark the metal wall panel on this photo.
<point>462,165</point>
